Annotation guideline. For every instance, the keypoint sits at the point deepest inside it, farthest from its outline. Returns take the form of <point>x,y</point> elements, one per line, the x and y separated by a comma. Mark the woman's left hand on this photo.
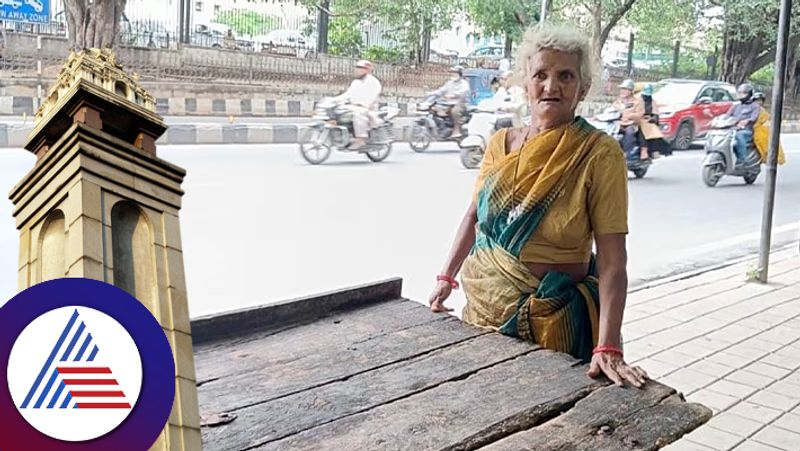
<point>615,368</point>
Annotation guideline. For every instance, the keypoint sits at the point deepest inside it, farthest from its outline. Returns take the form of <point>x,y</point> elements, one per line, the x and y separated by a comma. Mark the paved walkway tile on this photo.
<point>731,345</point>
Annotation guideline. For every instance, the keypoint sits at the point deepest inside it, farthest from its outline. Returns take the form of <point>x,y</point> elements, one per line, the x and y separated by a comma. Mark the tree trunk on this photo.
<point>509,45</point>
<point>738,58</point>
<point>94,25</point>
<point>597,29</point>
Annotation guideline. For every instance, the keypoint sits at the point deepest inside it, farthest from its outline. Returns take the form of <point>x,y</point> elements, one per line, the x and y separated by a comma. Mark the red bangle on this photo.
<point>443,278</point>
<point>608,349</point>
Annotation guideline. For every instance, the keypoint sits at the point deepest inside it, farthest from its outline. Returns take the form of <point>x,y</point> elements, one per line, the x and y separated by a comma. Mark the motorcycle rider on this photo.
<point>632,108</point>
<point>362,96</point>
<point>746,113</point>
<point>455,90</point>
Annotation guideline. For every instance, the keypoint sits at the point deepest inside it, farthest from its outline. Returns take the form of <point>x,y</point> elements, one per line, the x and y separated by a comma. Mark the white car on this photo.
<point>283,41</point>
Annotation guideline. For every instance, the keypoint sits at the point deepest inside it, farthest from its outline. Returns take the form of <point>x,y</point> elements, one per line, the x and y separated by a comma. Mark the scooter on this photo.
<point>434,123</point>
<point>485,119</point>
<point>609,122</point>
<point>720,156</point>
<point>334,129</point>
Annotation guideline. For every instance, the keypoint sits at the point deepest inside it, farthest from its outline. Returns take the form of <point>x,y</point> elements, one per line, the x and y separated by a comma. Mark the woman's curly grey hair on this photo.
<point>563,38</point>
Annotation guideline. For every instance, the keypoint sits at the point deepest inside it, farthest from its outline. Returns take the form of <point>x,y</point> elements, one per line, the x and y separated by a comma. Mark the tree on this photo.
<point>749,31</point>
<point>663,21</point>
<point>345,37</point>
<point>95,24</point>
<point>509,18</point>
<point>411,23</point>
<point>245,22</point>
<point>600,16</point>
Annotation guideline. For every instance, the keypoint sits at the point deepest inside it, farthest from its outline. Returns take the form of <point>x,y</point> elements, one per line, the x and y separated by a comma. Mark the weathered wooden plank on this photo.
<point>276,419</point>
<point>613,419</point>
<point>327,335</point>
<point>337,362</point>
<point>277,315</point>
<point>464,414</point>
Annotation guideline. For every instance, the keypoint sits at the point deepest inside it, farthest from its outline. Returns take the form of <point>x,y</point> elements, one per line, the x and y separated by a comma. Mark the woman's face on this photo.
<point>554,87</point>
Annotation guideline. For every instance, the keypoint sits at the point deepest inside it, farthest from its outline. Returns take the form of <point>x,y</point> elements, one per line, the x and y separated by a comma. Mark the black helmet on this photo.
<point>759,96</point>
<point>745,92</point>
<point>457,69</point>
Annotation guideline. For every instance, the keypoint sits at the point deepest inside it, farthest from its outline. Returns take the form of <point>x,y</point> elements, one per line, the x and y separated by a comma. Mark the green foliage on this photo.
<point>382,54</point>
<point>764,76</point>
<point>501,17</point>
<point>664,21</point>
<point>245,22</point>
<point>344,37</point>
<point>409,20</point>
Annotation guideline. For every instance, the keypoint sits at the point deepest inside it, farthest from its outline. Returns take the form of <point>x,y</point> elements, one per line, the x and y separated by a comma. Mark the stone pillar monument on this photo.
<point>100,204</point>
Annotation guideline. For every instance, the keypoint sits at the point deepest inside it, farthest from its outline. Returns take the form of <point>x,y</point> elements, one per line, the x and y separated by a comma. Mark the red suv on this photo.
<point>687,107</point>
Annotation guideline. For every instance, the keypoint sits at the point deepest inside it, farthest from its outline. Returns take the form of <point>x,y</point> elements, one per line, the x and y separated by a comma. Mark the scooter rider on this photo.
<point>362,96</point>
<point>632,108</point>
<point>746,113</point>
<point>455,90</point>
<point>509,98</point>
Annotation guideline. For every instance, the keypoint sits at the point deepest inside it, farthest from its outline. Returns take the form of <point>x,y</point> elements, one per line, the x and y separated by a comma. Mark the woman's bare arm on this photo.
<point>465,239</point>
<point>612,261</point>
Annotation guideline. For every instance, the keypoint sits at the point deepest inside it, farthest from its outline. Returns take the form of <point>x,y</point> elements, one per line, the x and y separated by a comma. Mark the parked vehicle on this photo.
<point>609,122</point>
<point>284,41</point>
<point>480,84</point>
<point>334,129</point>
<point>720,157</point>
<point>688,106</point>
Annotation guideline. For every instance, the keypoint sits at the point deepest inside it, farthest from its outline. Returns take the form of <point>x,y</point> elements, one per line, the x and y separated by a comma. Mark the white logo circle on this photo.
<point>74,374</point>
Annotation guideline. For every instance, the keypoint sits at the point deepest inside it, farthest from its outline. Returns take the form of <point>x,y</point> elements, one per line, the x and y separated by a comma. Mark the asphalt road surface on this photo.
<point>260,225</point>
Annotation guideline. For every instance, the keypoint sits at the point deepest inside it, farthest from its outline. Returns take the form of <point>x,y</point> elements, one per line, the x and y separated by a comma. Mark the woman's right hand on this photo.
<point>439,295</point>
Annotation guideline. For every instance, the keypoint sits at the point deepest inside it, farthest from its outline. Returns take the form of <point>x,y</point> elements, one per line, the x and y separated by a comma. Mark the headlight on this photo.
<point>666,114</point>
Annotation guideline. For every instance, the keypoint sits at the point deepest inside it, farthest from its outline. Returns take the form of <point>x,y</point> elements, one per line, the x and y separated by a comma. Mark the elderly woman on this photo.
<point>524,247</point>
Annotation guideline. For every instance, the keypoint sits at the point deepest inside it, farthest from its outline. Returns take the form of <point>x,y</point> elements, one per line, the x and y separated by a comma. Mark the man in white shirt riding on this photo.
<point>362,96</point>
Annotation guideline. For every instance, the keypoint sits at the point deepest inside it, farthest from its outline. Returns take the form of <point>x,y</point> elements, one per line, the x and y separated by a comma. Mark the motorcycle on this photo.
<point>720,157</point>
<point>334,129</point>
<point>435,123</point>
<point>485,120</point>
<point>609,122</point>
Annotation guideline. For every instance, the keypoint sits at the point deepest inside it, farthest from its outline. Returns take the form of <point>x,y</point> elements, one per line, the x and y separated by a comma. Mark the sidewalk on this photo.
<point>730,344</point>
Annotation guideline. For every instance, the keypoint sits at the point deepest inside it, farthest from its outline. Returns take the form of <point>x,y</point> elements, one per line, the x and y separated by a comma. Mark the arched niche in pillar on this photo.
<point>133,252</point>
<point>53,247</point>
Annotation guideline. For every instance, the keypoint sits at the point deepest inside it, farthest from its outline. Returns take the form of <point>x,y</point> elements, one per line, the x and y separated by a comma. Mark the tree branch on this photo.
<point>768,56</point>
<point>618,14</point>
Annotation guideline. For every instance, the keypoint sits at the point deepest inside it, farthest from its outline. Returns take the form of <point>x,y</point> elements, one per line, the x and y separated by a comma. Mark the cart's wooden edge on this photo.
<point>237,323</point>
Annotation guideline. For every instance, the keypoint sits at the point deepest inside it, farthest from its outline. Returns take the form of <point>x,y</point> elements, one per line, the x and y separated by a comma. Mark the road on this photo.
<point>260,225</point>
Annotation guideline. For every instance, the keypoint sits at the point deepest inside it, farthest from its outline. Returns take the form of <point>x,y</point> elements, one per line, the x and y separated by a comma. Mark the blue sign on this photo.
<point>31,11</point>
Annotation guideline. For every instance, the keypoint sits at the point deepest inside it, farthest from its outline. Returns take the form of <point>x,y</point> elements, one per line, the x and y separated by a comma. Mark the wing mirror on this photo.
<point>704,100</point>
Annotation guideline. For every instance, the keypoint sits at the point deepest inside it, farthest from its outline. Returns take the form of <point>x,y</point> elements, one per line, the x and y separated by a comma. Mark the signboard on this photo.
<point>31,11</point>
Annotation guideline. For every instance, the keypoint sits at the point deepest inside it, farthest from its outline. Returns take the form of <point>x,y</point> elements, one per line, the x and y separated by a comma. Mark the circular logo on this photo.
<point>88,368</point>
<point>101,386</point>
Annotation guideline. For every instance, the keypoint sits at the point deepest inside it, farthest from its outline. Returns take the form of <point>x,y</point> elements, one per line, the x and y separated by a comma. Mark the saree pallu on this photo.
<point>761,138</point>
<point>502,294</point>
